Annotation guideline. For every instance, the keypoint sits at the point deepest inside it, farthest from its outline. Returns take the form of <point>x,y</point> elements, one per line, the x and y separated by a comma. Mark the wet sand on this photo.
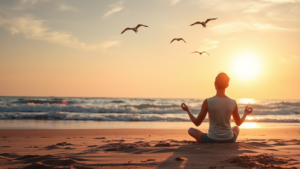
<point>146,148</point>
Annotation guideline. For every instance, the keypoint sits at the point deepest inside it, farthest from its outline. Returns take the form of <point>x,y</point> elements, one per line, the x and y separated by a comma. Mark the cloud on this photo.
<point>32,2</point>
<point>238,27</point>
<point>233,27</point>
<point>256,7</point>
<point>117,7</point>
<point>289,60</point>
<point>29,1</point>
<point>208,44</point>
<point>107,44</point>
<point>270,9</point>
<point>35,29</point>
<point>25,4</point>
<point>282,1</point>
<point>221,5</point>
<point>64,7</point>
<point>174,2</point>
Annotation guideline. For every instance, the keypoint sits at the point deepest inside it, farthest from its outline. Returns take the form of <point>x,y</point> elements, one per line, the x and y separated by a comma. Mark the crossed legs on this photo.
<point>195,133</point>
<point>236,130</point>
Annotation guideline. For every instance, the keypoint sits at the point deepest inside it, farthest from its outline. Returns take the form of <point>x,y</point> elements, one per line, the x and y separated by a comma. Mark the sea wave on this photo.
<point>97,117</point>
<point>134,109</point>
<point>139,109</point>
<point>123,117</point>
<point>44,101</point>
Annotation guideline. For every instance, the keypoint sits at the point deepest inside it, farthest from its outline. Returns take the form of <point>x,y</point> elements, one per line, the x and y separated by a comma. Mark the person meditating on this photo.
<point>219,108</point>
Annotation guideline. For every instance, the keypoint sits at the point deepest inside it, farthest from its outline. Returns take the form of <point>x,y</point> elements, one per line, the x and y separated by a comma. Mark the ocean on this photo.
<point>91,112</point>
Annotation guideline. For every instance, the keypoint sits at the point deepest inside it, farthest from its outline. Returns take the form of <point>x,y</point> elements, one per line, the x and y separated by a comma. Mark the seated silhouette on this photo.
<point>219,108</point>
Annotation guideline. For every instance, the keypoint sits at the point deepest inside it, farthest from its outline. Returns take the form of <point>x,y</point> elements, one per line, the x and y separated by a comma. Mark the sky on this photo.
<point>74,48</point>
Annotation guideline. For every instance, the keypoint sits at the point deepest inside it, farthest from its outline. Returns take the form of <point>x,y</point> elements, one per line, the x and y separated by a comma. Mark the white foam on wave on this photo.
<point>30,107</point>
<point>89,116</point>
<point>129,117</point>
<point>140,109</point>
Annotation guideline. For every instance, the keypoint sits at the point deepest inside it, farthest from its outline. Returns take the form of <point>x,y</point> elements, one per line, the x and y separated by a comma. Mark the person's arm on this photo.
<point>197,121</point>
<point>236,117</point>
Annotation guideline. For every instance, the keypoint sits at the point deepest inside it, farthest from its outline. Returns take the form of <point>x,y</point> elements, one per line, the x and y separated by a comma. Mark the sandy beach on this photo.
<point>118,84</point>
<point>146,148</point>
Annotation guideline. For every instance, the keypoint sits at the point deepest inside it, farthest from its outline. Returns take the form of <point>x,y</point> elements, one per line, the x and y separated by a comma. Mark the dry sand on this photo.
<point>147,148</point>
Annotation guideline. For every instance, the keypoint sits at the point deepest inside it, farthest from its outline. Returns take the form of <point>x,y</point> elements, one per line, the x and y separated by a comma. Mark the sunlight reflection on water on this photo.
<point>247,101</point>
<point>77,124</point>
<point>249,125</point>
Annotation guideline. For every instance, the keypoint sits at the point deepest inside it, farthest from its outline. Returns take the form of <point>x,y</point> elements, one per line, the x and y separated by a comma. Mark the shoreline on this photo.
<point>245,133</point>
<point>86,124</point>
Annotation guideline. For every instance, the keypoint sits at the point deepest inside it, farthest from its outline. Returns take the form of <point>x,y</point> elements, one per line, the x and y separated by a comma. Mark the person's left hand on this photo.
<point>248,110</point>
<point>185,107</point>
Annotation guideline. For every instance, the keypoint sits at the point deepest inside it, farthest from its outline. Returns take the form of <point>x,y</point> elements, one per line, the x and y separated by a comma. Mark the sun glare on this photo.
<point>246,66</point>
<point>249,125</point>
<point>247,101</point>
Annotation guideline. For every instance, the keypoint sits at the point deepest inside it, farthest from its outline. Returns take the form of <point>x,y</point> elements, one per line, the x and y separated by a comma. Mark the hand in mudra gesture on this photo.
<point>248,110</point>
<point>185,107</point>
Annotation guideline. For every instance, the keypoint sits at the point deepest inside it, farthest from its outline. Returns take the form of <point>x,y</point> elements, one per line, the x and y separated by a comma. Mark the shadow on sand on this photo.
<point>208,155</point>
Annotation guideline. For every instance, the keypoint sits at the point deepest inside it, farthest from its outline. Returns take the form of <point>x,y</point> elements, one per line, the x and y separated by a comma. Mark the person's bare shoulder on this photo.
<point>205,104</point>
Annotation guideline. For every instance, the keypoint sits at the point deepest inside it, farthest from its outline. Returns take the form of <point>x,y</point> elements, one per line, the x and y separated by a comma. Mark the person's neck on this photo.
<point>221,93</point>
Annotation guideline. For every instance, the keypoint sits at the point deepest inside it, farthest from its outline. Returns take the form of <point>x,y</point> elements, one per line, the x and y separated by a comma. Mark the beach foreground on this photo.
<point>146,148</point>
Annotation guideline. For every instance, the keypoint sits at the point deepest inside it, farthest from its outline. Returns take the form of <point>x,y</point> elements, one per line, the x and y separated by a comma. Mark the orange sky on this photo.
<point>74,48</point>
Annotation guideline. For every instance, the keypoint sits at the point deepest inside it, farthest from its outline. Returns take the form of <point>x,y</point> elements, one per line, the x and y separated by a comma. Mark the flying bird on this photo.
<point>201,52</point>
<point>135,29</point>
<point>178,39</point>
<point>203,23</point>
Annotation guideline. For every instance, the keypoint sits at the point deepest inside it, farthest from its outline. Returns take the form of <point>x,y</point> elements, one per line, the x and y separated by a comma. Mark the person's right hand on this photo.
<point>184,107</point>
<point>248,110</point>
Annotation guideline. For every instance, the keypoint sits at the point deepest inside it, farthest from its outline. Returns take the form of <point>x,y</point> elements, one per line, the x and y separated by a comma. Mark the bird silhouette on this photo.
<point>178,39</point>
<point>135,29</point>
<point>203,23</point>
<point>201,52</point>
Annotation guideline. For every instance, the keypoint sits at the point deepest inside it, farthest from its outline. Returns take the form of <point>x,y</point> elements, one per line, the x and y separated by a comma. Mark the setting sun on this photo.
<point>246,66</point>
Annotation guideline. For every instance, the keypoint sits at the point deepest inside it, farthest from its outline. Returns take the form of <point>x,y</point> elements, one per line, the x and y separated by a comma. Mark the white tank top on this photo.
<point>219,115</point>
